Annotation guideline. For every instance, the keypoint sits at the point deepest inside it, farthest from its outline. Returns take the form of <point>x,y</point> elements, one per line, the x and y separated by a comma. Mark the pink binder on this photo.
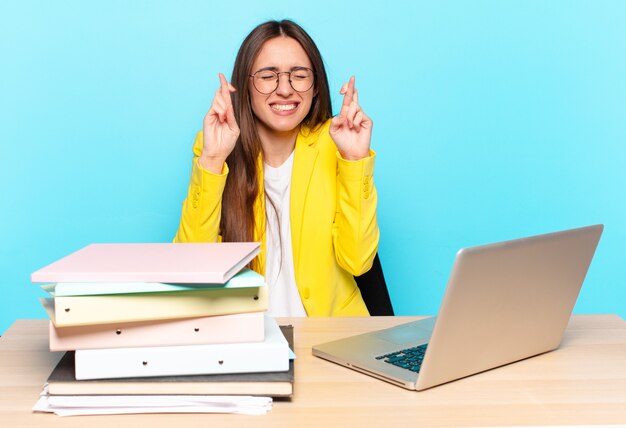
<point>245,327</point>
<point>176,263</point>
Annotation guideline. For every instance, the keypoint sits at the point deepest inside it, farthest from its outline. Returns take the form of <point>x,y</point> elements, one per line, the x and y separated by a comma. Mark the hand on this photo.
<point>220,130</point>
<point>352,129</point>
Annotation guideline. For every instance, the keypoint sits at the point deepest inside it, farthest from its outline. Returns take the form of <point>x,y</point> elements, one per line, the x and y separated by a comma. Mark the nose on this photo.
<point>284,85</point>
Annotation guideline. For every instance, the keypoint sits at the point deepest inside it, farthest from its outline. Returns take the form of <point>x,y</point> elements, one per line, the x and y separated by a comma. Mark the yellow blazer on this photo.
<point>334,230</point>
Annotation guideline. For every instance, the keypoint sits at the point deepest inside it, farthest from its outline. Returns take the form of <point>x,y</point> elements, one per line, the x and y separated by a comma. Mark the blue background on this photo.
<point>493,120</point>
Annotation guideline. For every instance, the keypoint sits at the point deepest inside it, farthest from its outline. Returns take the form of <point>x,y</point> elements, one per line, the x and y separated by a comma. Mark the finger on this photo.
<point>345,105</point>
<point>219,100</point>
<point>223,81</point>
<point>347,100</point>
<point>230,118</point>
<point>225,89</point>
<point>219,106</point>
<point>358,120</point>
<point>353,109</point>
<point>348,94</point>
<point>366,122</point>
<point>350,90</point>
<point>211,118</point>
<point>218,113</point>
<point>337,122</point>
<point>215,109</point>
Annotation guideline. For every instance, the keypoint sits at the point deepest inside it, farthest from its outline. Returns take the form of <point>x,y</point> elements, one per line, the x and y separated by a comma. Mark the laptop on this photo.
<point>504,302</point>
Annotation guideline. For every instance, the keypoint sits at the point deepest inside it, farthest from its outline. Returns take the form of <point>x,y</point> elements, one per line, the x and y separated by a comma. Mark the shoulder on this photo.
<point>319,139</point>
<point>318,136</point>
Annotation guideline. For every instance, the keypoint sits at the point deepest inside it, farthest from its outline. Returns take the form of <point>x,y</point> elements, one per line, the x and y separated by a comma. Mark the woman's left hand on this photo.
<point>352,129</point>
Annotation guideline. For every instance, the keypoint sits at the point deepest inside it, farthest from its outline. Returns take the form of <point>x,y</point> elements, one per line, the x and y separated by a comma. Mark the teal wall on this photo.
<point>493,120</point>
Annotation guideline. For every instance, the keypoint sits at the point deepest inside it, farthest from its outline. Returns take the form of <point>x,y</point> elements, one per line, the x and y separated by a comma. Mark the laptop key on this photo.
<point>410,359</point>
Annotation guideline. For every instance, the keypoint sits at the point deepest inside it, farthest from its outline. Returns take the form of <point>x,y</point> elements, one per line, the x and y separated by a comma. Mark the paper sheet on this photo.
<point>127,404</point>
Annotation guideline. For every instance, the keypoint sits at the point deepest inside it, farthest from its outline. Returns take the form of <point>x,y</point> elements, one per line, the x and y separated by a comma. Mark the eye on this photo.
<point>266,75</point>
<point>300,74</point>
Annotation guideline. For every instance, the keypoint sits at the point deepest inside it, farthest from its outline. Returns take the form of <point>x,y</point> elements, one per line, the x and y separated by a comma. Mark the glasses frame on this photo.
<point>278,73</point>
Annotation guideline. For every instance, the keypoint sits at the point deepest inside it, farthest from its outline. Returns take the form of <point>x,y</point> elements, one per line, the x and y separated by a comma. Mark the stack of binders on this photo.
<point>163,319</point>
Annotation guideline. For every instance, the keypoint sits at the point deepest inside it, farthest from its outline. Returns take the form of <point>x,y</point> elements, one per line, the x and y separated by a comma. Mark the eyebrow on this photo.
<point>271,68</point>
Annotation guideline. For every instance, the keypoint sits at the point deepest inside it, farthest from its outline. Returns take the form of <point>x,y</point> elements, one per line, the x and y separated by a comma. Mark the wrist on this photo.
<point>353,156</point>
<point>213,164</point>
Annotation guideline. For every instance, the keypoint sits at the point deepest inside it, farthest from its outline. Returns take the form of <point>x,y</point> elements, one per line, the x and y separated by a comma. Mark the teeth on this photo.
<point>283,107</point>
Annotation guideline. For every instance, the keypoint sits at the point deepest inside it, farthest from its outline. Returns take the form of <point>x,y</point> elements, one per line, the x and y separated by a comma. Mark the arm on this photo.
<point>355,230</point>
<point>202,208</point>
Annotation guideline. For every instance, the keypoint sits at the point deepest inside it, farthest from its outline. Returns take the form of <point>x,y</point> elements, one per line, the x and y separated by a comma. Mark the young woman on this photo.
<point>271,164</point>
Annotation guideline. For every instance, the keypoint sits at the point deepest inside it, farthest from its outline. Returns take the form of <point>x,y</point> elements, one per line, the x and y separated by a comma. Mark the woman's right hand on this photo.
<point>220,130</point>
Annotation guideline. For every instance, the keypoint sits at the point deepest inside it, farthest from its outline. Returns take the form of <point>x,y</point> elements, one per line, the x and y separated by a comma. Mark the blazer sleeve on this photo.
<point>202,208</point>
<point>355,230</point>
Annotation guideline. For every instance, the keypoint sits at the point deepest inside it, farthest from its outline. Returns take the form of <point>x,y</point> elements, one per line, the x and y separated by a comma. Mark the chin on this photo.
<point>281,123</point>
<point>285,125</point>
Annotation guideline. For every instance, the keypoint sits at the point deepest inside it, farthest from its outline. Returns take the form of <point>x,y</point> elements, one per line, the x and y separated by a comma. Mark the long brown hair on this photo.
<point>242,184</point>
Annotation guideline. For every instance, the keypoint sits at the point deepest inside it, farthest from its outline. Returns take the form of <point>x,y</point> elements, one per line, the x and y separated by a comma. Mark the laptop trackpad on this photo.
<point>417,331</point>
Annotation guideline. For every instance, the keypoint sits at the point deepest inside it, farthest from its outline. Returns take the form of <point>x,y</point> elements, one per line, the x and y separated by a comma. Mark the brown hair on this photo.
<point>242,184</point>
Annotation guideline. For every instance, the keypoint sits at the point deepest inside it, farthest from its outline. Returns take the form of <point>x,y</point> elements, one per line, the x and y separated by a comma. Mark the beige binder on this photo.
<point>103,309</point>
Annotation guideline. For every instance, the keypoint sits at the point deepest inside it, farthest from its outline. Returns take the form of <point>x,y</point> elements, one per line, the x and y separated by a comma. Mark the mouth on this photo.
<point>284,107</point>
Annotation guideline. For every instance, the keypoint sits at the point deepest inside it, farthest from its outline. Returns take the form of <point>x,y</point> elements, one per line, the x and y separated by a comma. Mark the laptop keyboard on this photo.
<point>410,359</point>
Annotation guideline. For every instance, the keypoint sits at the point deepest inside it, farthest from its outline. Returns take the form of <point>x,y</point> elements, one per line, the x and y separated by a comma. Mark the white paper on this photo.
<point>126,404</point>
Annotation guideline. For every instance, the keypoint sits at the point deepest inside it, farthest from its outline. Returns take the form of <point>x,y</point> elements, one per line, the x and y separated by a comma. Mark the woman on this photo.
<point>271,164</point>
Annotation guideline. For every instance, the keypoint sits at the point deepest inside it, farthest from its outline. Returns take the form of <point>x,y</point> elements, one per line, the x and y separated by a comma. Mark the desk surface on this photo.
<point>583,382</point>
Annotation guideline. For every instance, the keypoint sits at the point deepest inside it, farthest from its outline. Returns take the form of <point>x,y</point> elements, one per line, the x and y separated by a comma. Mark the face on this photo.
<point>283,110</point>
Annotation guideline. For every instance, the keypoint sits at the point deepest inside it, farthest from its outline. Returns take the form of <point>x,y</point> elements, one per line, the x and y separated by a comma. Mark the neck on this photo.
<point>277,146</point>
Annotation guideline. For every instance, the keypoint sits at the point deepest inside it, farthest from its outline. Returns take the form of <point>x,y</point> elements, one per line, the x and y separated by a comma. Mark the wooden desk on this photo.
<point>583,382</point>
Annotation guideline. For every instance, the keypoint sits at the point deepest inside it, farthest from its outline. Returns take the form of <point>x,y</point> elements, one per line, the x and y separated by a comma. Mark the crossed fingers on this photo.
<point>222,105</point>
<point>350,109</point>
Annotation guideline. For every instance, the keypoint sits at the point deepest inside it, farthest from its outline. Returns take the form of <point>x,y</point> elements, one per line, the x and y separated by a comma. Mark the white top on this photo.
<point>279,271</point>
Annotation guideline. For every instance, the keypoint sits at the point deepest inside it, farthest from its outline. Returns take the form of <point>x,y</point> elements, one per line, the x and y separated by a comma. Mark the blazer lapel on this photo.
<point>259,218</point>
<point>305,156</point>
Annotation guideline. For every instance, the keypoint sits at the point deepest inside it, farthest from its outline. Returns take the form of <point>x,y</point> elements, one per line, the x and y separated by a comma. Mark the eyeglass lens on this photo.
<point>266,81</point>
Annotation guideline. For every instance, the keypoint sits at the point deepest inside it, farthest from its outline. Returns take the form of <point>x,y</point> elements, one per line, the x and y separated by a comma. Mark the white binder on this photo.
<point>271,355</point>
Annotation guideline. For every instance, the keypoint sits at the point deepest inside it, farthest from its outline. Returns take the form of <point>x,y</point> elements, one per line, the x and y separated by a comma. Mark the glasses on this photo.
<point>301,79</point>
